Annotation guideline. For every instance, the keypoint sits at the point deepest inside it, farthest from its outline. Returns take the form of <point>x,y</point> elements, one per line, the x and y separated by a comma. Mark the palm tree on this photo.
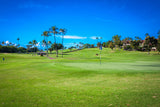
<point>10,43</point>
<point>54,31</point>
<point>147,34</point>
<point>3,42</point>
<point>63,32</point>
<point>28,47</point>
<point>18,41</point>
<point>44,43</point>
<point>137,38</point>
<point>49,43</point>
<point>77,46</point>
<point>45,34</point>
<point>30,44</point>
<point>34,42</point>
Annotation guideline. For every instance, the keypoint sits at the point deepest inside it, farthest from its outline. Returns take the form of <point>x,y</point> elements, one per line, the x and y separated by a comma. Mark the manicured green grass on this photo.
<point>125,78</point>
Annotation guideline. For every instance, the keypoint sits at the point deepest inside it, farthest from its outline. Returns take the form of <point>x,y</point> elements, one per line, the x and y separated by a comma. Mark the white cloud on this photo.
<point>38,44</point>
<point>73,37</point>
<point>7,42</point>
<point>93,37</point>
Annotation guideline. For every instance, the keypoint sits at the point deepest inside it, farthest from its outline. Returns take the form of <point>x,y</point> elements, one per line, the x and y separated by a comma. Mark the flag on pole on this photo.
<point>100,47</point>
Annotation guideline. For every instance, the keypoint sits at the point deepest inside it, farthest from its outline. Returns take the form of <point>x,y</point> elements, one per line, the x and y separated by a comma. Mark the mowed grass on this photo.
<point>125,78</point>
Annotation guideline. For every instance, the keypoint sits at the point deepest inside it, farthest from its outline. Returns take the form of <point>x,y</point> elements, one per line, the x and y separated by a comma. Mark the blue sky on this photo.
<point>83,19</point>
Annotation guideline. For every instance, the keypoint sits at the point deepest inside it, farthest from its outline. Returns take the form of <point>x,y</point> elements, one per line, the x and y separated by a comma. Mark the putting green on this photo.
<point>141,66</point>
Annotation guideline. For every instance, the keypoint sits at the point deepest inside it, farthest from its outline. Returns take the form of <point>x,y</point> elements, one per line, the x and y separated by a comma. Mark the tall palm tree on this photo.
<point>46,34</point>
<point>34,42</point>
<point>18,41</point>
<point>63,32</point>
<point>30,43</point>
<point>49,43</point>
<point>44,43</point>
<point>54,31</point>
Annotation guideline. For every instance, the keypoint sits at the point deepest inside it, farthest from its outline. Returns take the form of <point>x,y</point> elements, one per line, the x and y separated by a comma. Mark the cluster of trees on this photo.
<point>7,43</point>
<point>16,49</point>
<point>55,46</point>
<point>127,43</point>
<point>9,47</point>
<point>87,45</point>
<point>12,49</point>
<point>31,47</point>
<point>133,44</point>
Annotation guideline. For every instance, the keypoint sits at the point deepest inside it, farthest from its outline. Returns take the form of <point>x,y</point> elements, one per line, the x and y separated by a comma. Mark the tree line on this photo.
<point>55,46</point>
<point>31,47</point>
<point>128,43</point>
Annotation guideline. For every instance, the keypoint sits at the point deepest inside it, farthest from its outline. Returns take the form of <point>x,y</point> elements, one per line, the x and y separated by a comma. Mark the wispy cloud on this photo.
<point>73,37</point>
<point>33,5</point>
<point>93,37</point>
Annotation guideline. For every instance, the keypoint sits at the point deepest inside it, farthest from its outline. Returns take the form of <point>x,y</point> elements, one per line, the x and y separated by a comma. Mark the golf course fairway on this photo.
<point>124,78</point>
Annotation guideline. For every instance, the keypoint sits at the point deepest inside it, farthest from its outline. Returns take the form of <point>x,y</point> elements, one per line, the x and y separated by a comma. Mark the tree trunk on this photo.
<point>57,52</point>
<point>62,46</point>
<point>55,45</point>
<point>34,50</point>
<point>47,49</point>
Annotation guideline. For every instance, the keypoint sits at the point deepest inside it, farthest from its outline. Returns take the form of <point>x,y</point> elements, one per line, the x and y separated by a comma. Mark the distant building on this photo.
<point>125,43</point>
<point>41,53</point>
<point>154,49</point>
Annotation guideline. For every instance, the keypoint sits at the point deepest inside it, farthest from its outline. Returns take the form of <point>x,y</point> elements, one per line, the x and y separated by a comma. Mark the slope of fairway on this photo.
<point>125,78</point>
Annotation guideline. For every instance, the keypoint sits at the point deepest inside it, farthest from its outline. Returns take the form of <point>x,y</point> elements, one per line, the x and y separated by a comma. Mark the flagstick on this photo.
<point>100,56</point>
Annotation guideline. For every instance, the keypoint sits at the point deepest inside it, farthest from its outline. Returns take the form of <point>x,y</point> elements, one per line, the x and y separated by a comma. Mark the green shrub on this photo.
<point>128,47</point>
